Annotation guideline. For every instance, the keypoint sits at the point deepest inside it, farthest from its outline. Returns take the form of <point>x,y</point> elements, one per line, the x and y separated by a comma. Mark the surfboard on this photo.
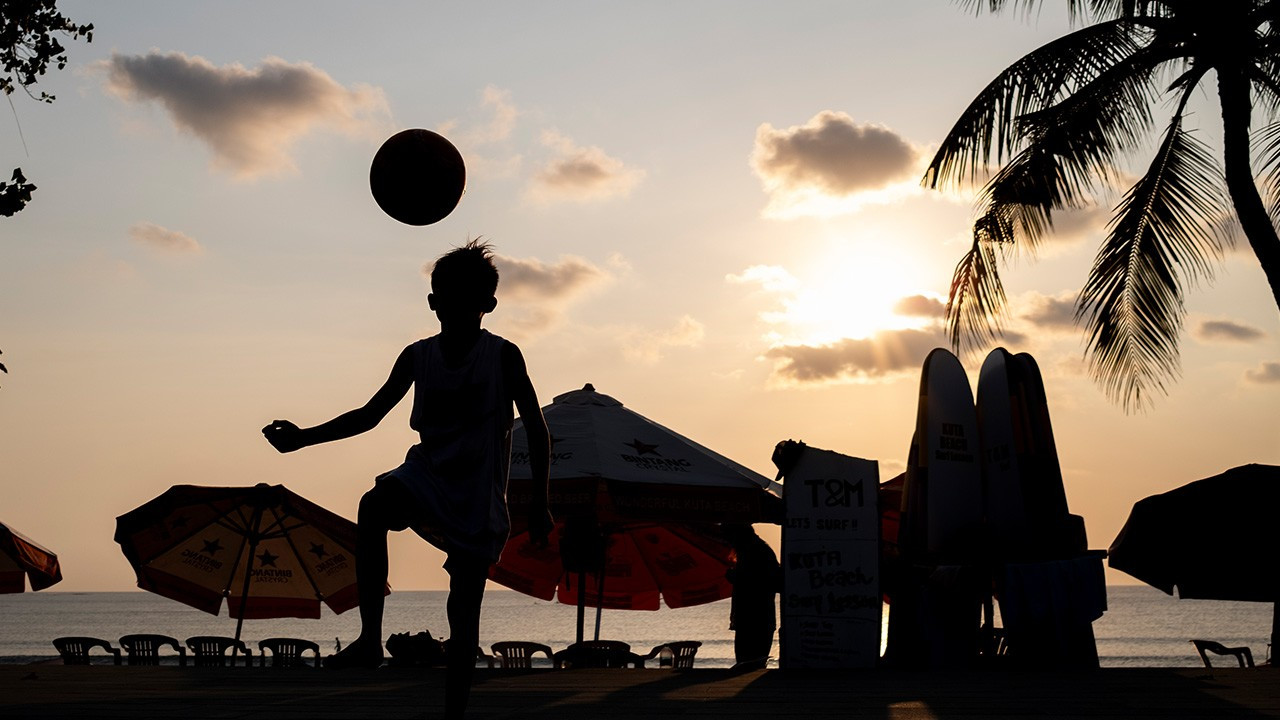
<point>935,610</point>
<point>1043,490</point>
<point>943,497</point>
<point>1004,439</point>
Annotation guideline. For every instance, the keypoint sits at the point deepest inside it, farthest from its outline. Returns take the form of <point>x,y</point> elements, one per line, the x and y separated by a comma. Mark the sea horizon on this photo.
<point>1143,627</point>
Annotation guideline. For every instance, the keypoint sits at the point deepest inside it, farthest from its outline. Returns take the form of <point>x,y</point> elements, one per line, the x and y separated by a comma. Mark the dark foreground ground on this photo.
<point>55,691</point>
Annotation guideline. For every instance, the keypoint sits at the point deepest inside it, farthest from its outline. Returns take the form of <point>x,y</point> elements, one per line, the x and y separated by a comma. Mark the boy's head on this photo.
<point>465,280</point>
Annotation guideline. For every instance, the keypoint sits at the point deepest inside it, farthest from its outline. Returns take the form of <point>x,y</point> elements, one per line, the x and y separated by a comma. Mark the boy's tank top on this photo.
<point>463,417</point>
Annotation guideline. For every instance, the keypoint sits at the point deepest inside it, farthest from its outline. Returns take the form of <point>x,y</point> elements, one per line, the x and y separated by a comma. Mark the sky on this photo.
<point>711,211</point>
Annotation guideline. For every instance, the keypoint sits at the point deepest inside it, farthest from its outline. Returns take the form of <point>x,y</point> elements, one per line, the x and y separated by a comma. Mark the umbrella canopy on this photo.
<point>684,565</point>
<point>1167,542</point>
<point>21,559</point>
<point>270,552</point>
<point>617,465</point>
<point>636,505</point>
<point>1176,539</point>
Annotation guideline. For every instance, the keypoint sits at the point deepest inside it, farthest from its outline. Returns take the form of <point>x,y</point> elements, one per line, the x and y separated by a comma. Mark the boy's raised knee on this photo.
<point>380,508</point>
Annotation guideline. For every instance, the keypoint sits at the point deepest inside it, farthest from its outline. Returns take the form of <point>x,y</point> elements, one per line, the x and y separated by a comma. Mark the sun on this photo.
<point>849,292</point>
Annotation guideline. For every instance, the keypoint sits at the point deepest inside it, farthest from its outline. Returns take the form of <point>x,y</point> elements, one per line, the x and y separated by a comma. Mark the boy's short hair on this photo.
<point>468,269</point>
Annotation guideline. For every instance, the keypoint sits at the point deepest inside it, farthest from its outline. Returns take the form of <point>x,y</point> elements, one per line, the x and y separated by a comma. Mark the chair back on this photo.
<point>211,650</point>
<point>1243,654</point>
<point>144,648</point>
<point>75,649</point>
<point>518,654</point>
<point>287,652</point>
<point>683,652</point>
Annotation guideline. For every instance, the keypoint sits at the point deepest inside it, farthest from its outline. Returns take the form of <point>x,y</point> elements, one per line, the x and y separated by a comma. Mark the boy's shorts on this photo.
<point>404,487</point>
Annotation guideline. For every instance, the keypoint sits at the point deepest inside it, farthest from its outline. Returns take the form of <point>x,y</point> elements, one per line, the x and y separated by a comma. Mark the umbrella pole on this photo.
<point>244,593</point>
<point>248,568</point>
<point>582,602</point>
<point>599,602</point>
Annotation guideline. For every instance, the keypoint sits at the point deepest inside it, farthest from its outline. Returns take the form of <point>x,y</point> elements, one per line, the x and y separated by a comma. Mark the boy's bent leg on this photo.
<point>466,593</point>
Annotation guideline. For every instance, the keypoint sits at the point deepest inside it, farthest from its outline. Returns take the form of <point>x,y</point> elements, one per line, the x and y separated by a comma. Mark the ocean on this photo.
<point>1143,627</point>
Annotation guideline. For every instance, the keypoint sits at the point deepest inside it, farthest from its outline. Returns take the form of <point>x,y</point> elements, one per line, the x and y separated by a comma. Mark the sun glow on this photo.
<point>849,292</point>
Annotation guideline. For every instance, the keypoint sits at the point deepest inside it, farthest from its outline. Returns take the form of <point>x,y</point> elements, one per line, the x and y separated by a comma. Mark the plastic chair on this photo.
<point>597,654</point>
<point>144,649</point>
<point>211,651</point>
<point>75,650</point>
<point>518,654</point>
<point>287,652</point>
<point>1242,654</point>
<point>676,655</point>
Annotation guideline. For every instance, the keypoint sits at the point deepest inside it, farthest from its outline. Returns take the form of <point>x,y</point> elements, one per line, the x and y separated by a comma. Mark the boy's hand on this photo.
<point>540,525</point>
<point>283,435</point>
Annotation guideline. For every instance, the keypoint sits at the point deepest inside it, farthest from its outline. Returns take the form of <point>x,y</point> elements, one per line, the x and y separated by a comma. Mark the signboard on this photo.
<point>830,563</point>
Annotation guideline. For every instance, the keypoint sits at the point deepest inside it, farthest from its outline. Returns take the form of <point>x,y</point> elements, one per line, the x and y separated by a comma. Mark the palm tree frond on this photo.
<point>1268,154</point>
<point>1162,237</point>
<point>987,128</point>
<point>1105,117</point>
<point>1076,8</point>
<point>976,300</point>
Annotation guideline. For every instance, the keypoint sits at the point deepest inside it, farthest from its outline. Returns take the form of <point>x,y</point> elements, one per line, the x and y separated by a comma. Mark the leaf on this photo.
<point>976,300</point>
<point>987,128</point>
<point>1161,239</point>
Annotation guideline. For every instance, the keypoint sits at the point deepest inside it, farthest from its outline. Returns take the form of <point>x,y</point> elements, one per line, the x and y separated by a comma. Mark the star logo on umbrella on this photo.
<point>643,448</point>
<point>266,558</point>
<point>318,549</point>
<point>179,522</point>
<point>211,547</point>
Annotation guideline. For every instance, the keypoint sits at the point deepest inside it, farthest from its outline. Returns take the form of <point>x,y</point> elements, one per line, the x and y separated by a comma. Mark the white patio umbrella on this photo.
<point>614,469</point>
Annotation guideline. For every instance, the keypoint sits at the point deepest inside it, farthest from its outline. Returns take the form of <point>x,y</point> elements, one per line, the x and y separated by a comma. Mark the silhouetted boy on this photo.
<point>756,578</point>
<point>451,488</point>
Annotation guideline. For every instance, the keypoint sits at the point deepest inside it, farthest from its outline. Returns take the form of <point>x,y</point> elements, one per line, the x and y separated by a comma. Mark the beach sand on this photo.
<point>56,691</point>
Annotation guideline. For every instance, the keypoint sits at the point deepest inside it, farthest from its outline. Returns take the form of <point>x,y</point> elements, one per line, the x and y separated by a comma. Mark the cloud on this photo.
<point>248,118</point>
<point>1268,373</point>
<point>531,280</point>
<point>581,174</point>
<point>163,239</point>
<point>1230,331</point>
<point>832,165</point>
<point>1049,312</point>
<point>483,144</point>
<point>771,278</point>
<point>887,352</point>
<point>921,306</point>
<point>1077,225</point>
<point>534,295</point>
<point>647,346</point>
<point>500,125</point>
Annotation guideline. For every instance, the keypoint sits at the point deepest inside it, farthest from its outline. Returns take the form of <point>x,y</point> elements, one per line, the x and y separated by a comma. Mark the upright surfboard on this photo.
<point>942,502</point>
<point>1045,495</point>
<point>934,614</point>
<point>1005,433</point>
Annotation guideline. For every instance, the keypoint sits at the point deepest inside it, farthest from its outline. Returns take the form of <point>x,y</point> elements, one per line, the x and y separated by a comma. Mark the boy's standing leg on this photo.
<point>467,576</point>
<point>381,511</point>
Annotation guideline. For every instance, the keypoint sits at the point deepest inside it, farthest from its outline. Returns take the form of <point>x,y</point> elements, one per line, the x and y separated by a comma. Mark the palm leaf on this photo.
<point>1070,150</point>
<point>987,127</point>
<point>1132,304</point>
<point>1268,139</point>
<point>1076,8</point>
<point>976,301</point>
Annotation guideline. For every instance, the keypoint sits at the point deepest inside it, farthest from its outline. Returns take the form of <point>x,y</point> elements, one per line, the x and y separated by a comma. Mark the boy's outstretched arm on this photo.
<point>535,428</point>
<point>287,437</point>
